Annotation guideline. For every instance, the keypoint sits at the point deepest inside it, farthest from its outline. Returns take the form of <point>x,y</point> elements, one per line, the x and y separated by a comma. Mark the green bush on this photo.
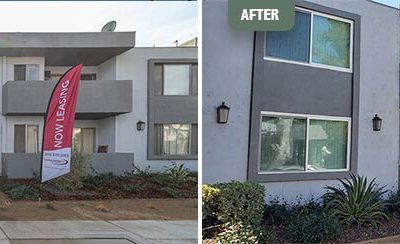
<point>178,172</point>
<point>278,213</point>
<point>237,233</point>
<point>79,168</point>
<point>101,180</point>
<point>357,202</point>
<point>22,192</point>
<point>313,228</point>
<point>235,202</point>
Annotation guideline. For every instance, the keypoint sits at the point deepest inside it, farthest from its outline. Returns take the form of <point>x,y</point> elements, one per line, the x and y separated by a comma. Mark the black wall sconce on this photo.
<point>140,125</point>
<point>376,123</point>
<point>222,113</point>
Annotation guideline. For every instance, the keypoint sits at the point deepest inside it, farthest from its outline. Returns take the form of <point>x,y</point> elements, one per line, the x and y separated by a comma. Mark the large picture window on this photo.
<point>304,143</point>
<point>317,39</point>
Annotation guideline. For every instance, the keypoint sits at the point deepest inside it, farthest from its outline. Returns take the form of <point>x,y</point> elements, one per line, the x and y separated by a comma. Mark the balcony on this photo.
<point>97,99</point>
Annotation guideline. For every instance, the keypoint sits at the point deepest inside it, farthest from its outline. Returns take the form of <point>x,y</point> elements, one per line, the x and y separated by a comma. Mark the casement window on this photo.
<point>26,72</point>
<point>303,143</point>
<point>316,39</point>
<point>84,140</point>
<point>175,139</point>
<point>26,138</point>
<point>175,79</point>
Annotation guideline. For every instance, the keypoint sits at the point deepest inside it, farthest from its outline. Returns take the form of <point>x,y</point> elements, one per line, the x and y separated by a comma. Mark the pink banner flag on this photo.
<point>59,123</point>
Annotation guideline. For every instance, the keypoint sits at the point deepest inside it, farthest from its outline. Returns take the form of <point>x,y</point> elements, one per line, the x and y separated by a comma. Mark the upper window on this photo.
<point>26,72</point>
<point>317,39</point>
<point>292,143</point>
<point>26,138</point>
<point>175,79</point>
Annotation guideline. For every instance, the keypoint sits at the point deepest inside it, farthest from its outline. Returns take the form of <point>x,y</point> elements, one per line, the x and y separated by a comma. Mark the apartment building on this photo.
<point>135,105</point>
<point>302,102</point>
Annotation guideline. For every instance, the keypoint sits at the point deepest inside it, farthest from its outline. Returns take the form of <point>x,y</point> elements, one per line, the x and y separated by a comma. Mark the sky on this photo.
<point>157,23</point>
<point>393,3</point>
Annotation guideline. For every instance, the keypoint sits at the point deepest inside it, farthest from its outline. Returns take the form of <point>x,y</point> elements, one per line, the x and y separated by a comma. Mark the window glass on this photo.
<point>19,138</point>
<point>176,139</point>
<point>88,140</point>
<point>32,139</point>
<point>84,140</point>
<point>327,145</point>
<point>331,42</point>
<point>32,72</point>
<point>293,44</point>
<point>176,79</point>
<point>283,144</point>
<point>194,139</point>
<point>19,72</point>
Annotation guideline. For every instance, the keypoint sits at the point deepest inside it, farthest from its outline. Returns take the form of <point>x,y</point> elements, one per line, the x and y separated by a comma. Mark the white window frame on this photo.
<point>310,62</point>
<point>308,117</point>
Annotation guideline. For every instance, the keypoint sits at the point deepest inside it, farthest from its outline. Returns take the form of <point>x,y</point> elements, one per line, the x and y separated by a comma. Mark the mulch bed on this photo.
<point>144,187</point>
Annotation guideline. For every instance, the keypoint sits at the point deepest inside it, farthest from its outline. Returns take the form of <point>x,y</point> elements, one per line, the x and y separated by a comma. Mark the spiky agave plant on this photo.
<point>357,202</point>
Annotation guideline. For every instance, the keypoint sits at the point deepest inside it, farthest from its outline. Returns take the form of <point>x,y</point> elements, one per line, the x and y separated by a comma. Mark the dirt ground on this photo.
<point>121,209</point>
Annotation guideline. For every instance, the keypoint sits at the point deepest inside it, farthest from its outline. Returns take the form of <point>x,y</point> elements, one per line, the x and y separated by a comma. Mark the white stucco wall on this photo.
<point>132,65</point>
<point>227,77</point>
<point>108,69</point>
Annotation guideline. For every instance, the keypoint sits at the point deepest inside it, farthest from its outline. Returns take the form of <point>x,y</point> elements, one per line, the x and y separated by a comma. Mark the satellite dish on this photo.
<point>109,27</point>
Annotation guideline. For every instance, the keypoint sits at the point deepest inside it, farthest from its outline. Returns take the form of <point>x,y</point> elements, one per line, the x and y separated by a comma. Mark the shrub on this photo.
<point>313,228</point>
<point>235,202</point>
<point>278,213</point>
<point>132,188</point>
<point>393,203</point>
<point>358,203</point>
<point>100,180</point>
<point>178,172</point>
<point>209,199</point>
<point>79,167</point>
<point>22,192</point>
<point>237,233</point>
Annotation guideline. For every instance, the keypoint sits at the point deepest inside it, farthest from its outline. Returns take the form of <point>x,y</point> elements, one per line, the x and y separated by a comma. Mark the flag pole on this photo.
<point>44,126</point>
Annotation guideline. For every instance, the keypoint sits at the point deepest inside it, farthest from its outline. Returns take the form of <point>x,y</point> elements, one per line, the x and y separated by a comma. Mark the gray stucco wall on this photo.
<point>25,165</point>
<point>227,63</point>
<point>227,68</point>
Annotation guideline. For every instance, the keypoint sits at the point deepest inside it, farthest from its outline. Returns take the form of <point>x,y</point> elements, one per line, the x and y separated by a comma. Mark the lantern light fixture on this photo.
<point>376,123</point>
<point>222,113</point>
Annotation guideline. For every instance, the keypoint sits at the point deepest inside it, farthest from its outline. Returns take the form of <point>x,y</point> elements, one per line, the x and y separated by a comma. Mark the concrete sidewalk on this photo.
<point>88,232</point>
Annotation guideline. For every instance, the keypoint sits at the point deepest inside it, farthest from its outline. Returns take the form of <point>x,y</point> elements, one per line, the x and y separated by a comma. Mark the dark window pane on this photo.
<point>158,79</point>
<point>88,76</point>
<point>19,138</point>
<point>194,79</point>
<point>20,72</point>
<point>293,44</point>
<point>194,139</point>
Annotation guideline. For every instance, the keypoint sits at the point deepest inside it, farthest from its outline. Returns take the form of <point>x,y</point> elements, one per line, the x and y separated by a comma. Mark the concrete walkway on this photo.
<point>88,232</point>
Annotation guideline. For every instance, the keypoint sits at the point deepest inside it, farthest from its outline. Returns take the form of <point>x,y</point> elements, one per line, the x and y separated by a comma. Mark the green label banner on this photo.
<point>261,15</point>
